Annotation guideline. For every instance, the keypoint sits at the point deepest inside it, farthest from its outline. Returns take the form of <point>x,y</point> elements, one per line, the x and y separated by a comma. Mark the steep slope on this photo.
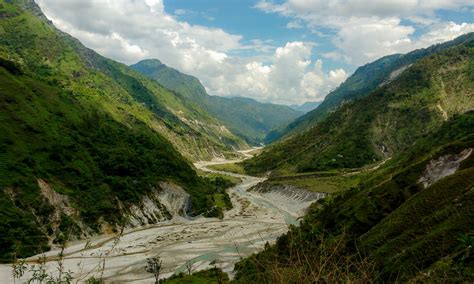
<point>383,123</point>
<point>364,80</point>
<point>306,107</point>
<point>245,117</point>
<point>82,141</point>
<point>122,91</point>
<point>394,227</point>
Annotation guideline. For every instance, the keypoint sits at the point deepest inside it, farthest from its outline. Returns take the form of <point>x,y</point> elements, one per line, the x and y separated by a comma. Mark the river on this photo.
<point>245,229</point>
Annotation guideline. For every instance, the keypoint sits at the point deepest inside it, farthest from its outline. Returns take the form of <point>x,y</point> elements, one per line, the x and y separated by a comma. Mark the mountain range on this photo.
<point>373,126</point>
<point>408,143</point>
<point>365,79</point>
<point>247,118</point>
<point>89,146</point>
<point>306,107</point>
<point>99,137</point>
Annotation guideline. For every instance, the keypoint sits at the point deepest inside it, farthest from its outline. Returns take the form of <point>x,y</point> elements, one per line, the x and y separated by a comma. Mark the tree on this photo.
<point>189,267</point>
<point>153,266</point>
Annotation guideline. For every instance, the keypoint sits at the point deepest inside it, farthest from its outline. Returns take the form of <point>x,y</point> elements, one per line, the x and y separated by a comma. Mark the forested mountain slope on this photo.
<point>390,119</point>
<point>35,42</point>
<point>83,140</point>
<point>364,80</point>
<point>247,118</point>
<point>408,221</point>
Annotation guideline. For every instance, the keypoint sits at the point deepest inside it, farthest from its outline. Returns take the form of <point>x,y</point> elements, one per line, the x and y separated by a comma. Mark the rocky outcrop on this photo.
<point>442,167</point>
<point>61,207</point>
<point>294,199</point>
<point>164,203</point>
<point>59,201</point>
<point>395,74</point>
<point>289,191</point>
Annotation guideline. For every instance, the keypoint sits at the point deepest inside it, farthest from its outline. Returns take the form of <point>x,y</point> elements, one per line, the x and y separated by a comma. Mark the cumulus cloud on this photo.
<point>291,77</point>
<point>367,29</point>
<point>360,30</point>
<point>129,31</point>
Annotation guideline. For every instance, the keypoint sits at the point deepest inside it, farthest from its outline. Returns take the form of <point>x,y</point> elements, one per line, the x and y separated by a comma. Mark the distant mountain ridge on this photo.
<point>86,142</point>
<point>409,143</point>
<point>306,107</point>
<point>384,122</point>
<point>247,118</point>
<point>364,80</point>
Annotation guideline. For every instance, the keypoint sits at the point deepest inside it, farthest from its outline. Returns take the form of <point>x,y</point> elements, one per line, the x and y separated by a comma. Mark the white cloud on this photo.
<point>291,78</point>
<point>129,31</point>
<point>445,31</point>
<point>368,29</point>
<point>365,39</point>
<point>361,31</point>
<point>323,10</point>
<point>369,39</point>
<point>294,25</point>
<point>180,12</point>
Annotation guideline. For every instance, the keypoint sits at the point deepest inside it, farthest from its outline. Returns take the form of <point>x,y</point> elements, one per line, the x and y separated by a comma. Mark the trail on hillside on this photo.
<point>245,229</point>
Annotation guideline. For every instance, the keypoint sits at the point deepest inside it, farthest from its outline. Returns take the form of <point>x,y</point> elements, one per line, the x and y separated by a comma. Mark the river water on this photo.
<point>253,221</point>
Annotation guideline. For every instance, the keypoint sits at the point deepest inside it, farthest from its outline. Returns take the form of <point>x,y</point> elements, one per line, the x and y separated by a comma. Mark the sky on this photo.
<point>279,51</point>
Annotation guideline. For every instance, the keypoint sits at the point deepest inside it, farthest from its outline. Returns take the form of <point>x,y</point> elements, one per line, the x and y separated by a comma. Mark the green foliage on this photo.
<point>245,117</point>
<point>216,197</point>
<point>389,227</point>
<point>365,80</point>
<point>213,275</point>
<point>30,40</point>
<point>229,167</point>
<point>381,124</point>
<point>92,129</point>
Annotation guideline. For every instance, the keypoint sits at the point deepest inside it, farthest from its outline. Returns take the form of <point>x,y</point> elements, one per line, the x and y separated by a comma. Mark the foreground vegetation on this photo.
<point>389,228</point>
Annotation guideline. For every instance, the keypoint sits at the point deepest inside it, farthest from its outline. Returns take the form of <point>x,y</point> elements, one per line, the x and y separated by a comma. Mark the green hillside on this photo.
<point>387,121</point>
<point>247,118</point>
<point>364,80</point>
<point>59,58</point>
<point>389,228</point>
<point>87,131</point>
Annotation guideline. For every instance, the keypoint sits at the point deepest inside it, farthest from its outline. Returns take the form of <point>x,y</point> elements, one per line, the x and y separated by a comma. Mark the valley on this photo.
<point>126,170</point>
<point>254,220</point>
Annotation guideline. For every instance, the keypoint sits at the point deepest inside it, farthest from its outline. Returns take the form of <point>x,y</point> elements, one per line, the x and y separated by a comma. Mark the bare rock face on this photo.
<point>61,206</point>
<point>164,203</point>
<point>395,74</point>
<point>59,201</point>
<point>293,198</point>
<point>290,192</point>
<point>442,167</point>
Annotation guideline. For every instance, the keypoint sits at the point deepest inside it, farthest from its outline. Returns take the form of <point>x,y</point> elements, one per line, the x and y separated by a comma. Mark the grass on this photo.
<point>93,129</point>
<point>232,179</point>
<point>385,122</point>
<point>386,229</point>
<point>231,167</point>
<point>211,276</point>
<point>330,184</point>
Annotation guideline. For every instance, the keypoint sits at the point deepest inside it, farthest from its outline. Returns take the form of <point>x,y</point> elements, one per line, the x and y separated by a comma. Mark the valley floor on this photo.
<point>254,220</point>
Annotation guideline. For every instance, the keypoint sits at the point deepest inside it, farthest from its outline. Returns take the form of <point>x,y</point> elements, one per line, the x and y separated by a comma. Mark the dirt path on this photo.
<point>253,221</point>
